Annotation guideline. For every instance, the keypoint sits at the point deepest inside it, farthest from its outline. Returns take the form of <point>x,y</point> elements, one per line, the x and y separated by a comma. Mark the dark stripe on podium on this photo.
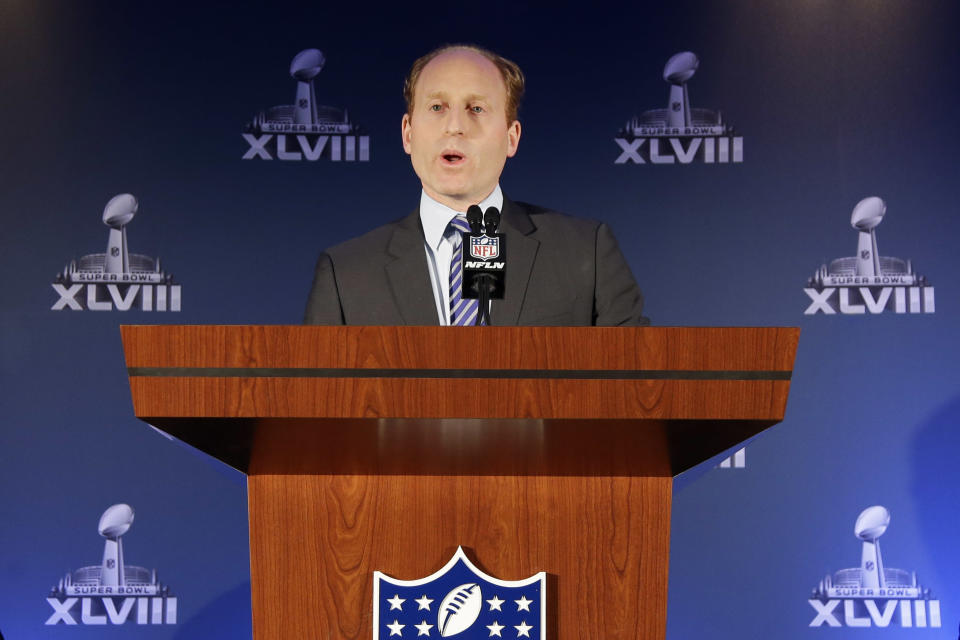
<point>515,374</point>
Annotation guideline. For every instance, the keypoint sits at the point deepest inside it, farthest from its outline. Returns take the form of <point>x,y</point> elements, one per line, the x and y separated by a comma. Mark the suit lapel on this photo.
<point>408,274</point>
<point>521,253</point>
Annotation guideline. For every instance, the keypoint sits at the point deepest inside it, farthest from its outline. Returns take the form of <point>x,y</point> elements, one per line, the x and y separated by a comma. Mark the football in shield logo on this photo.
<point>459,600</point>
<point>484,247</point>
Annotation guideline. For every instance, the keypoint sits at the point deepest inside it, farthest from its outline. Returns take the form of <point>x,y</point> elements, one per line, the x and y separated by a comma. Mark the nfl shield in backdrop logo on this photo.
<point>484,247</point>
<point>459,600</point>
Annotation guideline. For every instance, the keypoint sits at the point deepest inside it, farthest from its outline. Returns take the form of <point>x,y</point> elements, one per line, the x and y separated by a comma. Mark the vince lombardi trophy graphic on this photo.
<point>304,68</point>
<point>865,218</point>
<point>118,212</point>
<point>114,522</point>
<point>870,525</point>
<point>678,70</point>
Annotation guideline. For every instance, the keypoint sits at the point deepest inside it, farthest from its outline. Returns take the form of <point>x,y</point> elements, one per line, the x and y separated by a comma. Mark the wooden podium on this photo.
<point>384,448</point>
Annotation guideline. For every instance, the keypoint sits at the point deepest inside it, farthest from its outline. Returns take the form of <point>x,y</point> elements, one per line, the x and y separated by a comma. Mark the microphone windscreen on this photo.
<point>475,217</point>
<point>491,220</point>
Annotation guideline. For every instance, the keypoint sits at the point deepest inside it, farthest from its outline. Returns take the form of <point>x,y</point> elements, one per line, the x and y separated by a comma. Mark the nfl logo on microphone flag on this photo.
<point>484,247</point>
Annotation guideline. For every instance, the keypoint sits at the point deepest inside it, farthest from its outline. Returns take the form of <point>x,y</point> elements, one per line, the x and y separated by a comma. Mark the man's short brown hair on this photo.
<point>509,70</point>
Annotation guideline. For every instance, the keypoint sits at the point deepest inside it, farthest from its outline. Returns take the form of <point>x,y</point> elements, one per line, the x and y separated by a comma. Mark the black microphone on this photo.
<point>491,220</point>
<point>474,218</point>
<point>484,262</point>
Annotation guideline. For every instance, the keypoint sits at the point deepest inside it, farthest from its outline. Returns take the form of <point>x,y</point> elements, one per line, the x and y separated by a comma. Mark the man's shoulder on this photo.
<point>373,242</point>
<point>549,220</point>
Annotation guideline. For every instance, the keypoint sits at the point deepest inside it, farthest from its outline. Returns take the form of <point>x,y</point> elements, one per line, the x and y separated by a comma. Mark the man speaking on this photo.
<point>460,127</point>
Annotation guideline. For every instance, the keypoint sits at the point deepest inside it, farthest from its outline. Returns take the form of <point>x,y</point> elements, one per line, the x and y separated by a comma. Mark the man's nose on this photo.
<point>454,122</point>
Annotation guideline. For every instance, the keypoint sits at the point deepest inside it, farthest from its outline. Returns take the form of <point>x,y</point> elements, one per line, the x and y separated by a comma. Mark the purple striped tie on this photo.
<point>463,311</point>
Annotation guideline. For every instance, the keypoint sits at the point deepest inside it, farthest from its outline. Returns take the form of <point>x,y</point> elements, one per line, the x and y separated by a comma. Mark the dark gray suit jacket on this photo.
<point>561,271</point>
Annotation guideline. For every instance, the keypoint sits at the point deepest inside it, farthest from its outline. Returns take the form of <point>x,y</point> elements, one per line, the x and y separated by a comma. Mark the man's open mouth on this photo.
<point>452,157</point>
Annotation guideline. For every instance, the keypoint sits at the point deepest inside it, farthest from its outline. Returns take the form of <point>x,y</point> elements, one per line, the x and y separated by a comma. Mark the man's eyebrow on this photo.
<point>443,95</point>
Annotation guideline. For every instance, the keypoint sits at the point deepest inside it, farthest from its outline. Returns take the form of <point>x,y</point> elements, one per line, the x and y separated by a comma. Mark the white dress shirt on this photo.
<point>439,245</point>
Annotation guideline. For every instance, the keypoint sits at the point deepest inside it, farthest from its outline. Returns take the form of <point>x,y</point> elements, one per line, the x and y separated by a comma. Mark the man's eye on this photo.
<point>476,109</point>
<point>435,107</point>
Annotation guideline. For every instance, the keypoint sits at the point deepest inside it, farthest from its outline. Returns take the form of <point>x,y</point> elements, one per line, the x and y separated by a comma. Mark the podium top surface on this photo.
<point>680,348</point>
<point>456,372</point>
<point>569,393</point>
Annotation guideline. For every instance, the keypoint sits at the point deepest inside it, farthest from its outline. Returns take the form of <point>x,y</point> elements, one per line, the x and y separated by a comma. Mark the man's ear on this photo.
<point>405,132</point>
<point>513,138</point>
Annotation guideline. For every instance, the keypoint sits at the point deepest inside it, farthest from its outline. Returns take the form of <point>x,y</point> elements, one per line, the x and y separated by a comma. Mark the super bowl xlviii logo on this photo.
<point>112,592</point>
<point>459,600</point>
<point>737,461</point>
<point>872,594</point>
<point>116,279</point>
<point>679,134</point>
<point>305,130</point>
<point>868,282</point>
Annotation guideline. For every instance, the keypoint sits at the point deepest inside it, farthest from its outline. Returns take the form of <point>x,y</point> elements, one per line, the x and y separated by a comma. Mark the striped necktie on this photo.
<point>463,311</point>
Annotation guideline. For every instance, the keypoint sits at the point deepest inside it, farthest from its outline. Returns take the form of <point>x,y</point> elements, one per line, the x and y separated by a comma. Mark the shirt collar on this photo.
<point>435,217</point>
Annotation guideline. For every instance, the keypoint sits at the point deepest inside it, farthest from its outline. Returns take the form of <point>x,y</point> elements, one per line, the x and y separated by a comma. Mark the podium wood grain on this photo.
<point>384,448</point>
<point>603,541</point>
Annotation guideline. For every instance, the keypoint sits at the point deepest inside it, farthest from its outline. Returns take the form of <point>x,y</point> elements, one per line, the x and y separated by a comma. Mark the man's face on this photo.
<point>457,135</point>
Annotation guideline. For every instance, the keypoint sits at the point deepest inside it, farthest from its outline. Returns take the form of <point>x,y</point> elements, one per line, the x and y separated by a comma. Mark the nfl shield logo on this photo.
<point>484,247</point>
<point>459,600</point>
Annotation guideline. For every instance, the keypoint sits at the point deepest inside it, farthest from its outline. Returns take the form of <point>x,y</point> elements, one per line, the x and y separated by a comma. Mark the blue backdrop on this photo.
<point>834,101</point>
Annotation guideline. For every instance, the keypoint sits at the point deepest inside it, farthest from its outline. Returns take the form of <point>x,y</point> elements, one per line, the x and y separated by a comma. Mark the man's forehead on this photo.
<point>457,68</point>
